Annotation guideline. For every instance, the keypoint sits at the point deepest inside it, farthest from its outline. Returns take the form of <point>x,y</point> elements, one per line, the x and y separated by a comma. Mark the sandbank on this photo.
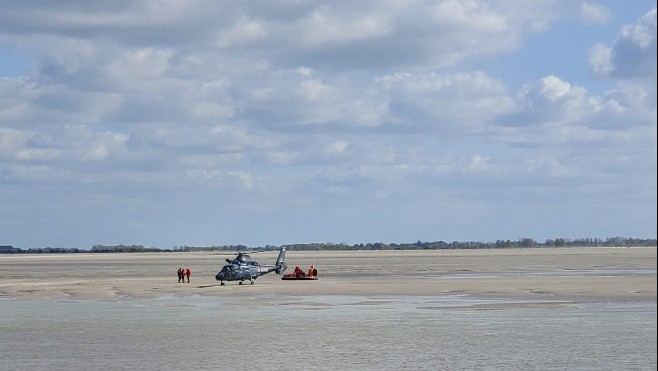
<point>546,274</point>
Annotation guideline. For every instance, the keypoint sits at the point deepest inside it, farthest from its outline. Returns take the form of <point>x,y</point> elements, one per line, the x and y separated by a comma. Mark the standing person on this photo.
<point>180,275</point>
<point>188,272</point>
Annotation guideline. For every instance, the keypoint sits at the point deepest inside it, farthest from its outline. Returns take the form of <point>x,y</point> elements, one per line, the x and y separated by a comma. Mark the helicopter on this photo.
<point>243,268</point>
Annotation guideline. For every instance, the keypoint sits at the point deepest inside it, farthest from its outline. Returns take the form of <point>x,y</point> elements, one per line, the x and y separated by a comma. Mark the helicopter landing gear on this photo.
<point>221,283</point>
<point>240,283</point>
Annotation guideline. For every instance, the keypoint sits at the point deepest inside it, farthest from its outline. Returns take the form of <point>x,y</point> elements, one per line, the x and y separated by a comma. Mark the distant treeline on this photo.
<point>418,245</point>
<point>67,250</point>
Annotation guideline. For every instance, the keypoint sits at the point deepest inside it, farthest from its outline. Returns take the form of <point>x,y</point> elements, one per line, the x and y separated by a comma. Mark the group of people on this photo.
<point>182,273</point>
<point>312,271</point>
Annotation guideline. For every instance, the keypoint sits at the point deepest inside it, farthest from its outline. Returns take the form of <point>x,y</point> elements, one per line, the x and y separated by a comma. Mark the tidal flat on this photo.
<point>545,309</point>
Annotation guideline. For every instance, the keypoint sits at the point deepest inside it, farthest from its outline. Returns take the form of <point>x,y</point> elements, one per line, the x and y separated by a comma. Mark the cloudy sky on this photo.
<point>168,122</point>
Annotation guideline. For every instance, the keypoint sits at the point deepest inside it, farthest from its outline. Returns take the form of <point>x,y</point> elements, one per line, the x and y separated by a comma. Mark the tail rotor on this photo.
<point>281,265</point>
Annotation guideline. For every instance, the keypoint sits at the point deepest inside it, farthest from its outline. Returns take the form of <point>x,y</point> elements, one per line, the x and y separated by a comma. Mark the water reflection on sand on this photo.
<point>274,332</point>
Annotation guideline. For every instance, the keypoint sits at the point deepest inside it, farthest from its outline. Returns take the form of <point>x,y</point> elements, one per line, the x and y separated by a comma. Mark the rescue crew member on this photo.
<point>310,271</point>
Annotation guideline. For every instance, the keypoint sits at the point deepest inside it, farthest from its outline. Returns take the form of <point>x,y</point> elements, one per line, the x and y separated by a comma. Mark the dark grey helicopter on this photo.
<point>243,268</point>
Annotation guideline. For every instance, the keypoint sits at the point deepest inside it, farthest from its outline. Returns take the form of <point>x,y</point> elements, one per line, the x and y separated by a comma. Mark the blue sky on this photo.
<point>168,123</point>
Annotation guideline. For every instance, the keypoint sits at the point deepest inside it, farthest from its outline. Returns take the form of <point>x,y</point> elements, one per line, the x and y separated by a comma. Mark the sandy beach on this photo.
<point>511,309</point>
<point>578,274</point>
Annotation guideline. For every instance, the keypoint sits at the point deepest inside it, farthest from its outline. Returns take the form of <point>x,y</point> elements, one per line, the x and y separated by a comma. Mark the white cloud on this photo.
<point>337,147</point>
<point>245,179</point>
<point>594,13</point>
<point>600,60</point>
<point>333,25</point>
<point>643,33</point>
<point>102,145</point>
<point>558,104</point>
<point>315,90</point>
<point>26,146</point>
<point>461,102</point>
<point>143,63</point>
<point>633,54</point>
<point>244,31</point>
<point>472,14</point>
<point>553,88</point>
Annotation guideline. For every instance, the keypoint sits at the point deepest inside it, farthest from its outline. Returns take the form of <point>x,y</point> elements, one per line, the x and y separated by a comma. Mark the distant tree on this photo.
<point>527,242</point>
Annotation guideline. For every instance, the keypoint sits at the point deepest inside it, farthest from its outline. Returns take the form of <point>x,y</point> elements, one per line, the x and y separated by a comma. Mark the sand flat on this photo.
<point>545,274</point>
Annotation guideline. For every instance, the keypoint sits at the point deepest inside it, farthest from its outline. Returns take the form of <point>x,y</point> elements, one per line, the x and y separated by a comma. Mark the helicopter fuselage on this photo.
<point>243,268</point>
<point>236,272</point>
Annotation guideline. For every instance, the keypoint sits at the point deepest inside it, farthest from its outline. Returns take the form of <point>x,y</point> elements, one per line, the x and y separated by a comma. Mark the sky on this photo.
<point>168,123</point>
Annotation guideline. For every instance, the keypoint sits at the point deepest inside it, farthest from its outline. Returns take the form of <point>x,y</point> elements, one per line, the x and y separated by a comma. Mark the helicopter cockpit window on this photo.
<point>244,258</point>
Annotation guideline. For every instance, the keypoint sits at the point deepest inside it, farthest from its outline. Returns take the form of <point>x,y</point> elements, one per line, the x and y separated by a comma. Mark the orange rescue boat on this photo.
<point>292,276</point>
<point>299,274</point>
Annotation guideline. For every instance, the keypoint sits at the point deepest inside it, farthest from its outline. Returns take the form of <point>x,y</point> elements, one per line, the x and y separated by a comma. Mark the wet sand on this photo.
<point>574,274</point>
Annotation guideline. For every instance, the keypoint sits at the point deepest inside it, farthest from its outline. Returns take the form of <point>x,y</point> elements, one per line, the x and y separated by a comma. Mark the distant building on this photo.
<point>8,249</point>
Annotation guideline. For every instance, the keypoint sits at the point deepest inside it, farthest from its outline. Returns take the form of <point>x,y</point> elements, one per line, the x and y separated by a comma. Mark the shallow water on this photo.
<point>273,332</point>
